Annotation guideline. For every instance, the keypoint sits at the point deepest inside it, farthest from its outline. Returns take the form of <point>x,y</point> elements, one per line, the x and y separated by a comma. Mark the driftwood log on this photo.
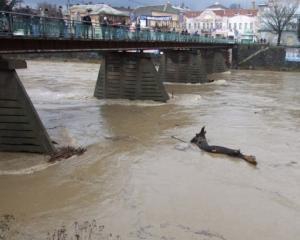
<point>201,142</point>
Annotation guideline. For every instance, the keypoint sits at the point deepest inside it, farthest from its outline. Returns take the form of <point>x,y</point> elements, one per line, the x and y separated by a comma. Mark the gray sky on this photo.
<point>194,4</point>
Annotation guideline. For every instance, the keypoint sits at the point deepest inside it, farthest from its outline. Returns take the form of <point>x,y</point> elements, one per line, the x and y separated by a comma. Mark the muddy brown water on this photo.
<point>139,182</point>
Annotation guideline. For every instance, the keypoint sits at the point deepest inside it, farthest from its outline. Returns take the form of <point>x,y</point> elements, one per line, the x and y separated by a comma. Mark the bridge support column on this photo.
<point>183,67</point>
<point>129,76</point>
<point>21,129</point>
<point>215,61</point>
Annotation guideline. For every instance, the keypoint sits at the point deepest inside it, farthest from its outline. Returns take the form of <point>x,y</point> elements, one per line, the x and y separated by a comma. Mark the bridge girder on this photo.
<point>38,45</point>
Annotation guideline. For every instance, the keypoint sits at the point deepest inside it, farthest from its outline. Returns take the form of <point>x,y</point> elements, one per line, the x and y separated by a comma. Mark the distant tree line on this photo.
<point>12,5</point>
<point>298,28</point>
<point>6,5</point>
<point>53,9</point>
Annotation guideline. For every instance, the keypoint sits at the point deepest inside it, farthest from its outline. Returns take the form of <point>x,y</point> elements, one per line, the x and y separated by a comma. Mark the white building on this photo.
<point>219,21</point>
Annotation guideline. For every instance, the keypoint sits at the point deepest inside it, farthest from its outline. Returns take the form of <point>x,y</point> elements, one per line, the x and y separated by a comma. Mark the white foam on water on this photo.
<point>27,171</point>
<point>183,84</point>
<point>186,99</point>
<point>47,95</point>
<point>125,102</point>
<point>227,72</point>
<point>216,82</point>
<point>222,82</point>
<point>182,146</point>
<point>64,105</point>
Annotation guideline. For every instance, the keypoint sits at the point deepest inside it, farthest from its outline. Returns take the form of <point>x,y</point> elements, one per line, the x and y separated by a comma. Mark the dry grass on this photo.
<point>83,231</point>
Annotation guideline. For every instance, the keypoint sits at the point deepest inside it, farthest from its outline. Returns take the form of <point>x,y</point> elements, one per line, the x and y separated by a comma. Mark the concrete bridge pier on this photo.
<point>215,60</point>
<point>182,67</point>
<point>21,129</point>
<point>133,76</point>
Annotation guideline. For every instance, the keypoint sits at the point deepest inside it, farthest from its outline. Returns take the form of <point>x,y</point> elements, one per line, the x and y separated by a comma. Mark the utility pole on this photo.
<point>68,5</point>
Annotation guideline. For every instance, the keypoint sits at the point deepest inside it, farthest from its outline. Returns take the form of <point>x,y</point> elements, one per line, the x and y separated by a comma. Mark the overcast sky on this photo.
<point>194,4</point>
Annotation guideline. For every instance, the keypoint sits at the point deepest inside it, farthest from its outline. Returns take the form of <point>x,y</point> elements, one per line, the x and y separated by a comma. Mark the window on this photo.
<point>229,25</point>
<point>251,26</point>
<point>198,25</point>
<point>220,25</point>
<point>195,25</point>
<point>235,25</point>
<point>246,26</point>
<point>190,25</point>
<point>240,26</point>
<point>203,25</point>
<point>211,25</point>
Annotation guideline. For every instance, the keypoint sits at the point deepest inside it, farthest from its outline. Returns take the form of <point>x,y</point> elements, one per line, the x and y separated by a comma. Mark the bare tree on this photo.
<point>52,8</point>
<point>279,15</point>
<point>8,5</point>
<point>298,28</point>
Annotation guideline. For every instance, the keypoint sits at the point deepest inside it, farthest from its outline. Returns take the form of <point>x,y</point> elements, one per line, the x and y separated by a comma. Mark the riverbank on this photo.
<point>265,57</point>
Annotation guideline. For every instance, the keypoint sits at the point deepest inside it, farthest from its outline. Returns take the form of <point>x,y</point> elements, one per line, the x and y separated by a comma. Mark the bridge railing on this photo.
<point>36,26</point>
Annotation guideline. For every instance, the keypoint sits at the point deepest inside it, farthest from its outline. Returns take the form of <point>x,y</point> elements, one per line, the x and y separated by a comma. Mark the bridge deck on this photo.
<point>36,45</point>
<point>32,33</point>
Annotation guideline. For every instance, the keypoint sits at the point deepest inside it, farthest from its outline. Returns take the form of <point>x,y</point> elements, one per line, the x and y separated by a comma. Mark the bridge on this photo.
<point>127,70</point>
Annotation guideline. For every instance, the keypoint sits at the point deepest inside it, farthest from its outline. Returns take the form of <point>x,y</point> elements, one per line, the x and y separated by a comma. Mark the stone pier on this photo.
<point>21,129</point>
<point>215,61</point>
<point>182,67</point>
<point>133,76</point>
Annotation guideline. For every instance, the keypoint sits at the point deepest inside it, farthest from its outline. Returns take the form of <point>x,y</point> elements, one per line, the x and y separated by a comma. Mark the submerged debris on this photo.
<point>82,231</point>
<point>201,142</point>
<point>5,225</point>
<point>65,153</point>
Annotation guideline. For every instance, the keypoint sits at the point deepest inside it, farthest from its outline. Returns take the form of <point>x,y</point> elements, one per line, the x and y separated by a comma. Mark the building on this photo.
<point>220,21</point>
<point>98,12</point>
<point>165,17</point>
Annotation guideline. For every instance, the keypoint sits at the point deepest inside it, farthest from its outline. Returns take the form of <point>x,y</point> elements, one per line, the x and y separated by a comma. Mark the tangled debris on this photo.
<point>65,153</point>
<point>82,231</point>
<point>201,142</point>
<point>5,225</point>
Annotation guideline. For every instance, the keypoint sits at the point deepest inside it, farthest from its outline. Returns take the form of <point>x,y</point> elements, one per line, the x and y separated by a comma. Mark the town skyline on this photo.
<point>192,4</point>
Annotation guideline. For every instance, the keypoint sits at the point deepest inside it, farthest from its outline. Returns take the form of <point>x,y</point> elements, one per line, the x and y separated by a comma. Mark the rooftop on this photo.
<point>224,13</point>
<point>216,5</point>
<point>167,8</point>
<point>234,12</point>
<point>192,14</point>
<point>97,9</point>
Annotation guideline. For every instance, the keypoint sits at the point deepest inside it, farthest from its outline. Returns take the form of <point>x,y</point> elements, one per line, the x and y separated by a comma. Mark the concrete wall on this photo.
<point>271,59</point>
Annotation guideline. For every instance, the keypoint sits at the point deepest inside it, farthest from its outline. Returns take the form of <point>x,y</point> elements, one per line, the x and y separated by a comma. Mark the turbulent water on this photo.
<point>139,182</point>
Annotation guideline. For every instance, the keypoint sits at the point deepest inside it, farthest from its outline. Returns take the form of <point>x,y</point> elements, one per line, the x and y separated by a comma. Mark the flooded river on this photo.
<point>136,182</point>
